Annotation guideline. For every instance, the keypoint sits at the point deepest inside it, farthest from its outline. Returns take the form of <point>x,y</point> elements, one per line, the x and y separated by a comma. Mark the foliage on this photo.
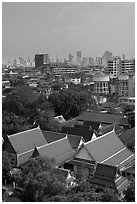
<point>56,86</point>
<point>39,180</point>
<point>42,182</point>
<point>86,192</point>
<point>18,99</point>
<point>46,121</point>
<point>129,193</point>
<point>109,195</point>
<point>8,162</point>
<point>13,124</point>
<point>70,103</point>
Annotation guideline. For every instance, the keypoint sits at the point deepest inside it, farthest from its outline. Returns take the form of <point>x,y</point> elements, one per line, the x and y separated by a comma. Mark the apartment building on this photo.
<point>127,66</point>
<point>114,67</point>
<point>126,85</point>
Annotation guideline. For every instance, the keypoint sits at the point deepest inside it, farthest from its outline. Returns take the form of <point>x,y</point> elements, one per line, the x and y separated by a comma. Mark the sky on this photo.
<point>61,28</point>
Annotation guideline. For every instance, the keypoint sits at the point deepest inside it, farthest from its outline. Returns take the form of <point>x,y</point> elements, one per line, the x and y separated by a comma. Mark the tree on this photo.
<point>129,193</point>
<point>13,124</point>
<point>46,121</point>
<point>18,100</point>
<point>109,195</point>
<point>8,162</point>
<point>40,181</point>
<point>57,86</point>
<point>86,192</point>
<point>70,103</point>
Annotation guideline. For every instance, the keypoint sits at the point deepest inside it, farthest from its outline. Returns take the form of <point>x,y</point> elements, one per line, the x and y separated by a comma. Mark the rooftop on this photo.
<point>100,117</point>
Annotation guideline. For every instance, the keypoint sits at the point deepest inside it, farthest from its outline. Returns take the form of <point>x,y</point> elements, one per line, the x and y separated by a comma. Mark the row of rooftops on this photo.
<point>106,149</point>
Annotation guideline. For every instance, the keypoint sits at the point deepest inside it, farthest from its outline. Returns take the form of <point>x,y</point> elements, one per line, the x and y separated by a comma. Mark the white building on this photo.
<point>101,83</point>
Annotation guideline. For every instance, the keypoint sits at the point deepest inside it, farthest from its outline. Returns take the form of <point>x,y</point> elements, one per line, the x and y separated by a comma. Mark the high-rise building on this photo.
<point>91,60</point>
<point>79,57</point>
<point>71,59</point>
<point>114,67</point>
<point>106,57</point>
<point>41,59</point>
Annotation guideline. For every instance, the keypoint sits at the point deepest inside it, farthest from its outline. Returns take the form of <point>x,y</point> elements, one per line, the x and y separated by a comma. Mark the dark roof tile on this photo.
<point>53,136</point>
<point>85,133</point>
<point>100,117</point>
<point>128,137</point>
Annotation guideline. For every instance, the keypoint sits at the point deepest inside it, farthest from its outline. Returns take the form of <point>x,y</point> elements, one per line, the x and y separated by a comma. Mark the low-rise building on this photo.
<point>101,83</point>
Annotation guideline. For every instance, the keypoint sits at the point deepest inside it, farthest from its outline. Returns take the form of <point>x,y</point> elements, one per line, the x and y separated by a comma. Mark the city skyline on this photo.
<point>60,29</point>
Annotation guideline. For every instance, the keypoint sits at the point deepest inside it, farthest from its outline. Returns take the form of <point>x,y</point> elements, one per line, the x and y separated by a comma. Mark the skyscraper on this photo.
<point>41,59</point>
<point>71,59</point>
<point>106,57</point>
<point>79,57</point>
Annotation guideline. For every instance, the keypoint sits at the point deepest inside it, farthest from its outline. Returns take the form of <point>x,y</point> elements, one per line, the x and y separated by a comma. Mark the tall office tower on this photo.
<point>99,61</point>
<point>83,61</point>
<point>21,60</point>
<point>79,57</point>
<point>123,57</point>
<point>91,60</point>
<point>87,61</point>
<point>47,59</point>
<point>106,57</point>
<point>114,67</point>
<point>28,62</point>
<point>15,63</point>
<point>41,59</point>
<point>71,59</point>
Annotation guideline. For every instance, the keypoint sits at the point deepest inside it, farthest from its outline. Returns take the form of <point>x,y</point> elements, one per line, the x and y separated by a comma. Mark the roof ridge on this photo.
<point>23,132</point>
<point>53,132</point>
<point>122,183</point>
<point>25,152</point>
<point>100,137</point>
<point>126,159</point>
<point>100,113</point>
<point>112,155</point>
<point>64,138</point>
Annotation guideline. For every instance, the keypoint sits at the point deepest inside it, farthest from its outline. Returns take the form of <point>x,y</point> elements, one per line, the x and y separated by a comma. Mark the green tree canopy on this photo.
<point>70,103</point>
<point>40,181</point>
<point>12,124</point>
<point>129,193</point>
<point>46,121</point>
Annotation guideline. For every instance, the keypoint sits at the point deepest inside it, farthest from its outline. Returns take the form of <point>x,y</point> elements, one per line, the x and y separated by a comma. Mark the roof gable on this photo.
<point>108,149</point>
<point>107,128</point>
<point>104,146</point>
<point>24,157</point>
<point>84,154</point>
<point>60,150</point>
<point>27,140</point>
<point>53,136</point>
